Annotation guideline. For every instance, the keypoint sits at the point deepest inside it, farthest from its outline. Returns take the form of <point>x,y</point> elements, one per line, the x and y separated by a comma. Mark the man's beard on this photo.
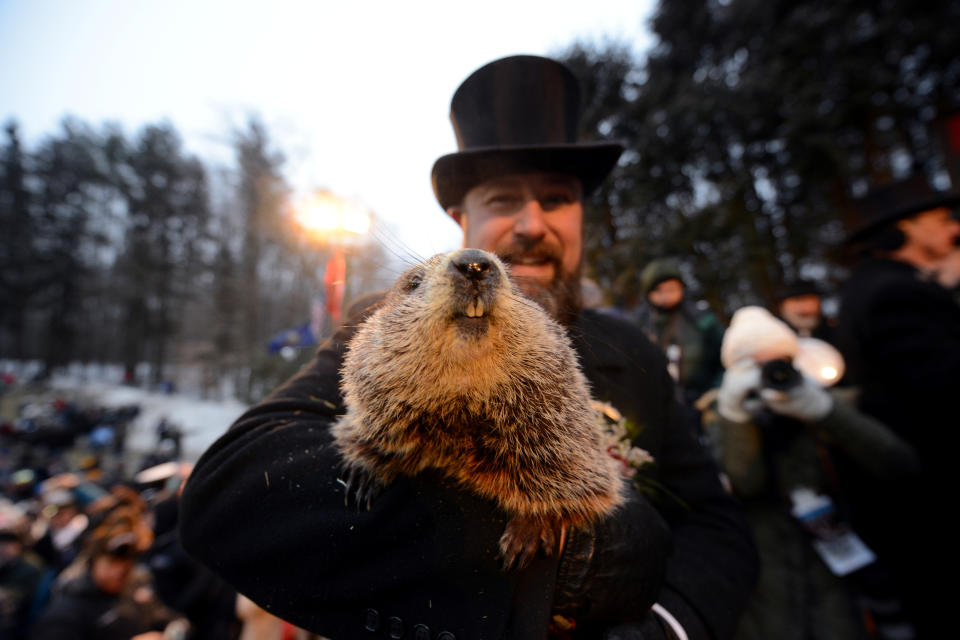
<point>561,297</point>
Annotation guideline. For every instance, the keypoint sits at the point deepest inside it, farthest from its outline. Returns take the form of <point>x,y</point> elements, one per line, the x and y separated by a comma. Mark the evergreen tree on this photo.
<point>167,210</point>
<point>16,222</point>
<point>750,127</point>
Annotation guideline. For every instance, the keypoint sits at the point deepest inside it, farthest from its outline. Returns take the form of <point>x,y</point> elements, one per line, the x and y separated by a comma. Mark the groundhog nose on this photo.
<point>472,263</point>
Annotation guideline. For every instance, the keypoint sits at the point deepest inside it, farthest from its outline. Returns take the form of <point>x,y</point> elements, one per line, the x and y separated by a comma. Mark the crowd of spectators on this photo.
<point>88,541</point>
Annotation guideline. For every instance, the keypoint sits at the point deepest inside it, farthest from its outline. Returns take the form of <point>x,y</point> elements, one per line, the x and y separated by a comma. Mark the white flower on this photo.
<point>617,439</point>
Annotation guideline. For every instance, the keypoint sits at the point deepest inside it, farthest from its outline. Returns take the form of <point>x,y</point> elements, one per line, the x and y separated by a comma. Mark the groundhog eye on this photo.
<point>412,283</point>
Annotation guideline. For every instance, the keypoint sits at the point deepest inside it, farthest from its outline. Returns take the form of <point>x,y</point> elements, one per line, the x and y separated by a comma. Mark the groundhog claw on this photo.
<point>521,539</point>
<point>363,485</point>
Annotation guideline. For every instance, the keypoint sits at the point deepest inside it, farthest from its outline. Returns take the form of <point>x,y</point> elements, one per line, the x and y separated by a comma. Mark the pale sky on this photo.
<point>356,94</point>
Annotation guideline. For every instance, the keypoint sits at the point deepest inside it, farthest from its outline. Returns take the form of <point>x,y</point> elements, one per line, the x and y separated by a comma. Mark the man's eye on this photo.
<point>555,200</point>
<point>502,200</point>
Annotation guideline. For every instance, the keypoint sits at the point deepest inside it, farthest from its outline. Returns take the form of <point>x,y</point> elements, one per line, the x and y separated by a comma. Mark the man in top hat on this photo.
<point>900,334</point>
<point>265,508</point>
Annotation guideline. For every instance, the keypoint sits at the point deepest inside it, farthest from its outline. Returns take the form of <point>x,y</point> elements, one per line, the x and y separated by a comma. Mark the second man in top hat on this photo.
<point>900,334</point>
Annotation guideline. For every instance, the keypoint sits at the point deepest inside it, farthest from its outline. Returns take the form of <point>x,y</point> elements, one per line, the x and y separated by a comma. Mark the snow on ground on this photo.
<point>202,421</point>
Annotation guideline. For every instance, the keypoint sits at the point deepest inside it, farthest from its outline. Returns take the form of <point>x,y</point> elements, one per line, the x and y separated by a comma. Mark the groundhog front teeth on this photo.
<point>475,309</point>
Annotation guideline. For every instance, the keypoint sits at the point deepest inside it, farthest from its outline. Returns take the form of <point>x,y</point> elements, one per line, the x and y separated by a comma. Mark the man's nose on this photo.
<point>529,221</point>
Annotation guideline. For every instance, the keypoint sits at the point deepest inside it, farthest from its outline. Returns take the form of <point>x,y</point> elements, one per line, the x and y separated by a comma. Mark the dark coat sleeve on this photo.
<point>61,622</point>
<point>901,337</point>
<point>265,509</point>
<point>912,336</point>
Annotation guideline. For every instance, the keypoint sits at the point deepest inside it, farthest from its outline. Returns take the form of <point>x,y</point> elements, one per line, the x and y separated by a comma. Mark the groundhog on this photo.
<point>458,371</point>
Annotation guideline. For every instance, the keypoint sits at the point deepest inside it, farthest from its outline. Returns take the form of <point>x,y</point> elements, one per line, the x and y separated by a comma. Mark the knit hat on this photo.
<point>756,333</point>
<point>659,271</point>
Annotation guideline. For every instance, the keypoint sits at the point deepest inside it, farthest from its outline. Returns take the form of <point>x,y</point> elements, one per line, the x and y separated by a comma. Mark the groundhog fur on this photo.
<point>458,371</point>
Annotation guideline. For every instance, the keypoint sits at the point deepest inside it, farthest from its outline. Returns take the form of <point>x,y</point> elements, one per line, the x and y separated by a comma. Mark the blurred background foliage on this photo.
<point>129,250</point>
<point>752,125</point>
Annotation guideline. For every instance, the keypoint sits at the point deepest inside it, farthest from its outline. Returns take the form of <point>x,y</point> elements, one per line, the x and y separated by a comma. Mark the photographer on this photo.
<point>773,426</point>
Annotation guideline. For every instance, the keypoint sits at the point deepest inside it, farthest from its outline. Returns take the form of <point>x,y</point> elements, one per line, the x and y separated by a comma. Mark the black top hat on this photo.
<point>519,113</point>
<point>895,201</point>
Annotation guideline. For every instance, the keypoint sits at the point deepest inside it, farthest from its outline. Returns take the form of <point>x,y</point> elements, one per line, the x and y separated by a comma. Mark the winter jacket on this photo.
<point>81,611</point>
<point>698,335</point>
<point>264,508</point>
<point>900,334</point>
<point>797,596</point>
<point>20,584</point>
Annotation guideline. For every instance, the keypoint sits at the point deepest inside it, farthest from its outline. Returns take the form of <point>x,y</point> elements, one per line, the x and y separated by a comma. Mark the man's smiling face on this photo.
<point>534,222</point>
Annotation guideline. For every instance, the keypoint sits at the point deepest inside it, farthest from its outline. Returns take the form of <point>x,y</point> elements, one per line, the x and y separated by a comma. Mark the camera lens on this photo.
<point>780,375</point>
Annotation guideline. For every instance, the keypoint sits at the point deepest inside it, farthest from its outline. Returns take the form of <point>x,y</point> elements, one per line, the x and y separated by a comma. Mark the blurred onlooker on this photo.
<point>182,583</point>
<point>689,337</point>
<point>900,332</point>
<point>60,527</point>
<point>21,573</point>
<point>800,305</point>
<point>111,599</point>
<point>774,427</point>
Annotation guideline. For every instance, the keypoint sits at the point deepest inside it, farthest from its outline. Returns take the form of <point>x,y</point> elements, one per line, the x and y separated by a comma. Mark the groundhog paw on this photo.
<point>521,539</point>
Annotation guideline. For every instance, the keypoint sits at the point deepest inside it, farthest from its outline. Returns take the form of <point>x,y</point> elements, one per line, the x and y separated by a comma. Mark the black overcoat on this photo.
<point>265,509</point>
<point>900,334</point>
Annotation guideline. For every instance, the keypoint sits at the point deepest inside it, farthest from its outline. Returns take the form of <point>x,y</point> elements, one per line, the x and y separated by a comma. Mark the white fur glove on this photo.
<point>807,402</point>
<point>734,399</point>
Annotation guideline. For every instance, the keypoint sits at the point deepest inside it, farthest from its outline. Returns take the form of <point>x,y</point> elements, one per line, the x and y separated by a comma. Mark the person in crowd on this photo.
<point>21,574</point>
<point>111,599</point>
<point>800,305</point>
<point>182,583</point>
<point>899,330</point>
<point>690,337</point>
<point>774,425</point>
<point>264,506</point>
<point>64,523</point>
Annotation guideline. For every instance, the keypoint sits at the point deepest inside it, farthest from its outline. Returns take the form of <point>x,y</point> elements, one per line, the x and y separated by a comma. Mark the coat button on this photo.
<point>394,628</point>
<point>371,620</point>
<point>446,635</point>
<point>421,632</point>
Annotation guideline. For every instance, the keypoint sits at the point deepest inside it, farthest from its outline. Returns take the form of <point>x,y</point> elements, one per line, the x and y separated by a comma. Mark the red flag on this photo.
<point>334,281</point>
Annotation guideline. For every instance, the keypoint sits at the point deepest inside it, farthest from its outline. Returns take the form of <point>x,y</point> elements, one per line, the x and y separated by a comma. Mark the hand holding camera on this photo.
<point>768,367</point>
<point>776,385</point>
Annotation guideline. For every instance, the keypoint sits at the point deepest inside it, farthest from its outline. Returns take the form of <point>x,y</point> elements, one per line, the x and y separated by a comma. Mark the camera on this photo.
<point>780,374</point>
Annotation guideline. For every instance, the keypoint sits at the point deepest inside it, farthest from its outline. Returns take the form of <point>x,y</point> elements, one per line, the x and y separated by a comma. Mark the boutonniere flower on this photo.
<point>618,439</point>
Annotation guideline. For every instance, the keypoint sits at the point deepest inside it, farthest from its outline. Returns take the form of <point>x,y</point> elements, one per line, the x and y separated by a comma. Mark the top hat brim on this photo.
<point>456,173</point>
<point>868,229</point>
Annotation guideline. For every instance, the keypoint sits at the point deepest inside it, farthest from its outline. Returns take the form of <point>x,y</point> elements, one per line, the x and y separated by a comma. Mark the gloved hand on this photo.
<point>734,399</point>
<point>807,402</point>
<point>616,568</point>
